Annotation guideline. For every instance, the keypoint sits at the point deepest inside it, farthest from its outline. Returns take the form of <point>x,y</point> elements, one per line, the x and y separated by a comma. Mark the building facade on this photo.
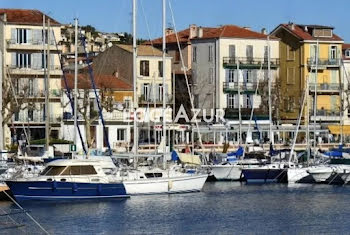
<point>310,54</point>
<point>22,44</point>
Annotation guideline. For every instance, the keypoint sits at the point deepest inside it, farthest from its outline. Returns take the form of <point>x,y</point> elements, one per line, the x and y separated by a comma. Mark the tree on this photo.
<point>263,91</point>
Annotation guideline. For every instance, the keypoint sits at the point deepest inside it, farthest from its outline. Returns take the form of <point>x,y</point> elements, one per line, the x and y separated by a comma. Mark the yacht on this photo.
<point>71,179</point>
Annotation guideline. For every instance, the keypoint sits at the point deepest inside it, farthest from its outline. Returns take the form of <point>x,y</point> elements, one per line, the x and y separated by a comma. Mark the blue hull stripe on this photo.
<point>65,190</point>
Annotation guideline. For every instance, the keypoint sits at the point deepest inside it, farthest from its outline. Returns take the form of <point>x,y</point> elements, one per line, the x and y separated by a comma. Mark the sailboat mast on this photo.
<point>1,119</point>
<point>239,106</point>
<point>308,122</point>
<point>269,84</point>
<point>315,96</point>
<point>163,71</point>
<point>47,96</point>
<point>76,83</point>
<point>134,53</point>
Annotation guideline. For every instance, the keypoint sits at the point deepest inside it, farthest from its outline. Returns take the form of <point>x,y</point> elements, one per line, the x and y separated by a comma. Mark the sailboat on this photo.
<point>151,180</point>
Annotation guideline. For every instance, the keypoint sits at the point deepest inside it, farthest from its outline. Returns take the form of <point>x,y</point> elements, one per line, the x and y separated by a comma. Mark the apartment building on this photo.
<point>22,44</point>
<point>217,54</point>
<point>117,61</point>
<point>310,54</point>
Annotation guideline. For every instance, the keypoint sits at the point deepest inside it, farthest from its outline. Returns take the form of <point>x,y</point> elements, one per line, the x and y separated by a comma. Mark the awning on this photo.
<point>338,129</point>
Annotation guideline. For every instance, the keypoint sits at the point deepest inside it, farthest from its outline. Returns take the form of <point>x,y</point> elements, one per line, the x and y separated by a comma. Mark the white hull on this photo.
<point>227,172</point>
<point>179,184</point>
<point>296,174</point>
<point>321,174</point>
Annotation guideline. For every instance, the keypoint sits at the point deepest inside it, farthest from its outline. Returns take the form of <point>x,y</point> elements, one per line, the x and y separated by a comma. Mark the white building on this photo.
<point>216,53</point>
<point>21,41</point>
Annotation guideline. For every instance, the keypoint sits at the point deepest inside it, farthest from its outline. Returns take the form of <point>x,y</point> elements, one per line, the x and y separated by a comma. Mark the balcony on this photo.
<point>233,113</point>
<point>323,63</point>
<point>157,101</point>
<point>328,88</point>
<point>245,87</point>
<point>39,94</point>
<point>250,63</point>
<point>325,115</point>
<point>14,70</point>
<point>37,118</point>
<point>30,45</point>
<point>107,116</point>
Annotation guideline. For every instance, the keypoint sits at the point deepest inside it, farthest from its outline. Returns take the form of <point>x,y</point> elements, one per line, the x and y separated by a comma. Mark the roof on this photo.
<point>26,16</point>
<point>300,32</point>
<point>225,31</point>
<point>101,81</point>
<point>346,46</point>
<point>142,50</point>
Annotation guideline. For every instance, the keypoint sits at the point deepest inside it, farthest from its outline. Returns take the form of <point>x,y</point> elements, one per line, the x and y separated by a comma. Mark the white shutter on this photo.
<point>29,36</point>
<point>166,92</point>
<point>52,61</point>
<point>14,35</point>
<point>13,59</point>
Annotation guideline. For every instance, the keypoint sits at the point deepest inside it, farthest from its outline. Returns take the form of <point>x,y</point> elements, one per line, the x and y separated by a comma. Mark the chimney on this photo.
<point>193,31</point>
<point>305,28</point>
<point>3,17</point>
<point>264,31</point>
<point>168,31</point>
<point>200,32</point>
<point>291,25</point>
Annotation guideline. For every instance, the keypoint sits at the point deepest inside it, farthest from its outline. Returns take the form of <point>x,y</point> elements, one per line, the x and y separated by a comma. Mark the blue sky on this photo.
<point>115,15</point>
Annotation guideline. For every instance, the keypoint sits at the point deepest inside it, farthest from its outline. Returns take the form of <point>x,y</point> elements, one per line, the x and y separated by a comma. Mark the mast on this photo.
<point>308,121</point>
<point>134,53</point>
<point>164,101</point>
<point>47,86</point>
<point>75,83</point>
<point>315,98</point>
<point>269,84</point>
<point>239,106</point>
<point>1,119</point>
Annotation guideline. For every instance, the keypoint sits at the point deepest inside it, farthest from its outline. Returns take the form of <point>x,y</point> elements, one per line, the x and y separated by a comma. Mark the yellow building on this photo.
<point>300,45</point>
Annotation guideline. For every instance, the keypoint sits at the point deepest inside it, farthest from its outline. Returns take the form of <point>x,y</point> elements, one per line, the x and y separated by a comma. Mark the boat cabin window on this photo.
<point>79,170</point>
<point>53,170</point>
<point>153,175</point>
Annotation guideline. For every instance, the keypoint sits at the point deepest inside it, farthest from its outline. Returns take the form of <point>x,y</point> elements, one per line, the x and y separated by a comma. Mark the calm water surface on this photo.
<point>222,208</point>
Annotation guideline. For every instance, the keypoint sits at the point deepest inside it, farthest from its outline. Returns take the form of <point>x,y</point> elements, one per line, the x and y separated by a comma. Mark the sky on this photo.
<point>116,15</point>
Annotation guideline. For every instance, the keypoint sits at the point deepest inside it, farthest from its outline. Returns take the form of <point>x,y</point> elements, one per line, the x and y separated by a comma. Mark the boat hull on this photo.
<point>182,184</point>
<point>226,172</point>
<point>295,175</point>
<point>54,190</point>
<point>264,175</point>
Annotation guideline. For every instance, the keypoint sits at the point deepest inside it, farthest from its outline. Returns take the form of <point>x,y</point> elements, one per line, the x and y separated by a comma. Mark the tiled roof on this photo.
<point>226,31</point>
<point>346,46</point>
<point>142,50</point>
<point>299,32</point>
<point>101,81</point>
<point>26,16</point>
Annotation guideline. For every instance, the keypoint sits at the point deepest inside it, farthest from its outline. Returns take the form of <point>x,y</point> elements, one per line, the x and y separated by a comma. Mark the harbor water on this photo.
<point>221,208</point>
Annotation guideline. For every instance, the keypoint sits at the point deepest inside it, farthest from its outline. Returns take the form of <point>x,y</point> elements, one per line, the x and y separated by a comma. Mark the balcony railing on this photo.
<point>243,86</point>
<point>322,62</point>
<point>108,116</point>
<point>54,70</point>
<point>36,118</point>
<point>254,62</point>
<point>325,87</point>
<point>28,42</point>
<point>245,113</point>
<point>54,93</point>
<point>325,115</point>
<point>143,100</point>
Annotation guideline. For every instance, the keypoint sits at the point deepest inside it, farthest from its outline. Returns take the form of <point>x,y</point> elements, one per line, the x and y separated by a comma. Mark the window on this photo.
<point>230,101</point>
<point>160,68</point>
<point>194,54</point>
<point>146,91</point>
<point>79,170</point>
<point>144,68</point>
<point>322,32</point>
<point>333,52</point>
<point>30,114</point>
<point>127,103</point>
<point>232,51</point>
<point>17,83</point>
<point>16,116</point>
<point>347,53</point>
<point>53,170</point>
<point>290,53</point>
<point>153,175</point>
<point>231,76</point>
<point>290,75</point>
<point>177,56</point>
<point>313,51</point>
<point>31,87</point>
<point>105,137</point>
<point>22,36</point>
<point>196,101</point>
<point>249,52</point>
<point>211,75</point>
<point>160,92</point>
<point>121,135</point>
<point>248,76</point>
<point>210,53</point>
<point>23,60</point>
<point>266,53</point>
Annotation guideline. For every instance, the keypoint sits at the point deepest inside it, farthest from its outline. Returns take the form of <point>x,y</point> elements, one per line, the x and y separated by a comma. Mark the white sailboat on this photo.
<point>145,180</point>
